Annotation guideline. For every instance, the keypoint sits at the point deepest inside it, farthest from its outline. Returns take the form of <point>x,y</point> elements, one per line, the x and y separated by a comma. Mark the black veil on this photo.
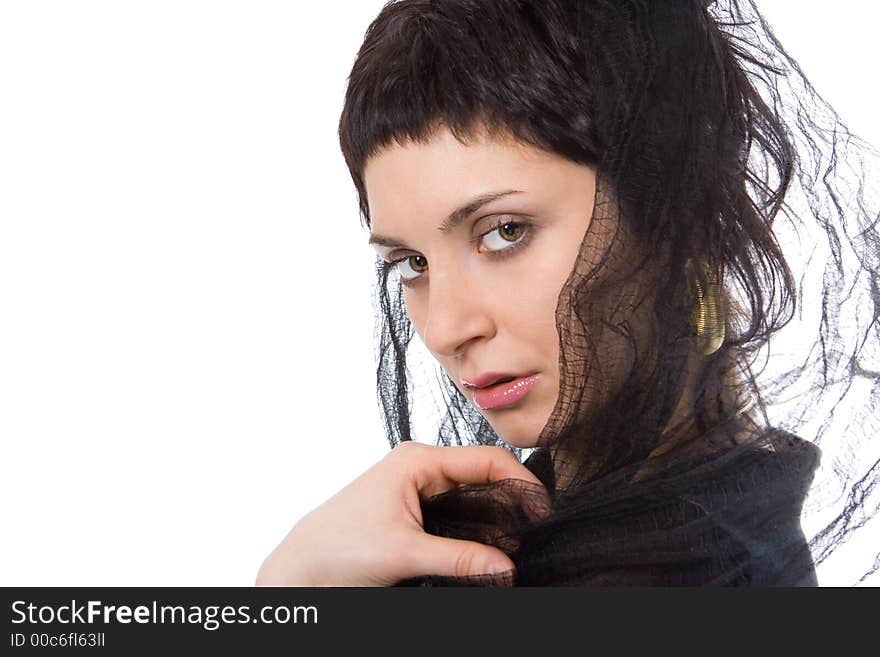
<point>756,300</point>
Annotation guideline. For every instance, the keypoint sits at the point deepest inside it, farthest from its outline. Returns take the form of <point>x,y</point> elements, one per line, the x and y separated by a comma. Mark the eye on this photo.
<point>507,233</point>
<point>501,240</point>
<point>404,264</point>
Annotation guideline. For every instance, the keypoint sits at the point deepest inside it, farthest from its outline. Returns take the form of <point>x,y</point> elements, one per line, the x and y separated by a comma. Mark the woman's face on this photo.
<point>485,236</point>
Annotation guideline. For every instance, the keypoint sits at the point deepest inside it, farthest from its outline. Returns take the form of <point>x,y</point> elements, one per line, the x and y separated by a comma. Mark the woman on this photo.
<point>580,209</point>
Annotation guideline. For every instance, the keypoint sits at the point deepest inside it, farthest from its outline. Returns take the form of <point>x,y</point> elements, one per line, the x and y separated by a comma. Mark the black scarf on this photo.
<point>729,520</point>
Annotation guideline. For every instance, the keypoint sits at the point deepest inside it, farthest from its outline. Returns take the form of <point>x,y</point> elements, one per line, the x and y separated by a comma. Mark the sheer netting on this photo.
<point>725,184</point>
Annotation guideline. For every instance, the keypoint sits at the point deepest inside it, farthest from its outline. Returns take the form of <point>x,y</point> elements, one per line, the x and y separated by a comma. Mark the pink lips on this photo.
<point>504,394</point>
<point>487,379</point>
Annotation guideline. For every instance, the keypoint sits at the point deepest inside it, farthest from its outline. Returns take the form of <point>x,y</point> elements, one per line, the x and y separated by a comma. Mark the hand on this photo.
<point>371,532</point>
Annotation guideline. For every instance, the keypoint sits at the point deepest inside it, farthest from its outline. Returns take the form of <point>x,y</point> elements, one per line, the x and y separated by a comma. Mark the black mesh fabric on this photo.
<point>709,145</point>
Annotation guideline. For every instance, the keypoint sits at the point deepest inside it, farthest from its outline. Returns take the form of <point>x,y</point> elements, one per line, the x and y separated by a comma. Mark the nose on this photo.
<point>459,312</point>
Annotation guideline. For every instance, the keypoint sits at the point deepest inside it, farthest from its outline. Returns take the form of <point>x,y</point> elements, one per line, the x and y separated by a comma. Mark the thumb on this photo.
<point>455,557</point>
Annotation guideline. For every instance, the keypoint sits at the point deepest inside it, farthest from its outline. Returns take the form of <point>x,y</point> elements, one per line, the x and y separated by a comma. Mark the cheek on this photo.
<point>414,311</point>
<point>538,319</point>
<point>538,301</point>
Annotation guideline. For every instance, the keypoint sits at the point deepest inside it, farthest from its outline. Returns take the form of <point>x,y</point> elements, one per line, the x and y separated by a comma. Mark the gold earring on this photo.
<point>706,318</point>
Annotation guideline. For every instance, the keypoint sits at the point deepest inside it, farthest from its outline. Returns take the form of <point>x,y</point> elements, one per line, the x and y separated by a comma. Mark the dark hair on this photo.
<point>660,99</point>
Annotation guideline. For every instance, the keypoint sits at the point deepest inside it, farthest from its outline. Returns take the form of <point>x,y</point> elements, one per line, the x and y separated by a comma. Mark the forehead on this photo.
<point>437,173</point>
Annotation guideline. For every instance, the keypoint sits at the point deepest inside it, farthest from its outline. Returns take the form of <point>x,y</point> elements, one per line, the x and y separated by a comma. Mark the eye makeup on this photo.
<point>498,254</point>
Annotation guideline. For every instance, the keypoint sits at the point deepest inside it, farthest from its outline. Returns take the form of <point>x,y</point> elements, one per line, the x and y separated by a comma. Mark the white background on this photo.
<point>186,352</point>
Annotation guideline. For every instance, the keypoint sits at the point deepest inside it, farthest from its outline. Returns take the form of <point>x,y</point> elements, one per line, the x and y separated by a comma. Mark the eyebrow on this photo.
<point>455,217</point>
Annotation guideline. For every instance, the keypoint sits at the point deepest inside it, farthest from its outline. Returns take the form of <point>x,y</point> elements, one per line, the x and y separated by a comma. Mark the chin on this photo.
<point>521,424</point>
<point>514,431</point>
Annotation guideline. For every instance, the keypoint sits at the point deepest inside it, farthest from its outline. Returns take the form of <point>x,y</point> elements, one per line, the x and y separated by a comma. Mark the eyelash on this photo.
<point>499,254</point>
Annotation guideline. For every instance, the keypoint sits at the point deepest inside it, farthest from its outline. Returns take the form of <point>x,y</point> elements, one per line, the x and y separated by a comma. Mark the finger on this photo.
<point>536,504</point>
<point>447,467</point>
<point>452,557</point>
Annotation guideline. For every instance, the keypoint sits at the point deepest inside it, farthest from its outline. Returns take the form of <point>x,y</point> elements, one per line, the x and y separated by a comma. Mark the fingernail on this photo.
<point>504,577</point>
